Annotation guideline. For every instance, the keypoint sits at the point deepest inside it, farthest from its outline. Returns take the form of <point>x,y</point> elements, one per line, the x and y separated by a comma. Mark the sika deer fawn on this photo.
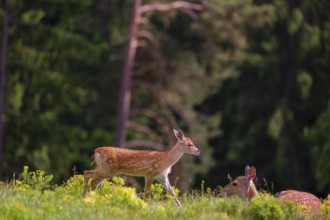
<point>111,161</point>
<point>244,187</point>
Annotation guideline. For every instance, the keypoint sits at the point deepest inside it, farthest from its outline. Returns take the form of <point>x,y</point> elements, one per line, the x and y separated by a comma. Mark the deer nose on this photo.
<point>198,152</point>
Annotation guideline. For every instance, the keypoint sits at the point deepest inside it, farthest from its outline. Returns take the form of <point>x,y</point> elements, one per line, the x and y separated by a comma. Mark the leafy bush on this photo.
<point>112,200</point>
<point>233,206</point>
<point>266,208</point>
<point>111,192</point>
<point>36,179</point>
<point>75,185</point>
<point>326,207</point>
<point>157,191</point>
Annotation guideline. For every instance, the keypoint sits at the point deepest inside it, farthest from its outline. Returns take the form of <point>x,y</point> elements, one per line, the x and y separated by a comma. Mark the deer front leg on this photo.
<point>147,187</point>
<point>164,181</point>
<point>88,174</point>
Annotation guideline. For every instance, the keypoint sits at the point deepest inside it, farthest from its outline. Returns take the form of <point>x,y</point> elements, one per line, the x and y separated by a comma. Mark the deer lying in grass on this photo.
<point>111,161</point>
<point>244,187</point>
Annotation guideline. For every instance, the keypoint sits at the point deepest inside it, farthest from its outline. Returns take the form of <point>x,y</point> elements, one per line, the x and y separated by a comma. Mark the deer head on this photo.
<point>242,186</point>
<point>186,143</point>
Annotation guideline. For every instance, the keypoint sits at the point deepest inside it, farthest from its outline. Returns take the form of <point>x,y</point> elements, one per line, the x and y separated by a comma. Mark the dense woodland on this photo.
<point>247,80</point>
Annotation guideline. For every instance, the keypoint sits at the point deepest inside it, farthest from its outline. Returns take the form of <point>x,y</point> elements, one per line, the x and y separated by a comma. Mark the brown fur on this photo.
<point>245,188</point>
<point>111,161</point>
<point>301,198</point>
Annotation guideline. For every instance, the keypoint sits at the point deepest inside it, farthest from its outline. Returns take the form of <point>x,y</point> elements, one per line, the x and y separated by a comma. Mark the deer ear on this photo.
<point>246,171</point>
<point>178,134</point>
<point>252,173</point>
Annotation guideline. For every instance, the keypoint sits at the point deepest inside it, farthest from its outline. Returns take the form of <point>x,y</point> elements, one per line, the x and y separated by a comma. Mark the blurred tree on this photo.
<point>258,68</point>
<point>147,117</point>
<point>316,62</point>
<point>228,46</point>
<point>132,45</point>
<point>3,78</point>
<point>277,96</point>
<point>58,105</point>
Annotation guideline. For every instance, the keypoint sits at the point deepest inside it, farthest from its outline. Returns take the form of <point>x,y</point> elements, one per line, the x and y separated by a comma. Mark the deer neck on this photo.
<point>173,155</point>
<point>252,191</point>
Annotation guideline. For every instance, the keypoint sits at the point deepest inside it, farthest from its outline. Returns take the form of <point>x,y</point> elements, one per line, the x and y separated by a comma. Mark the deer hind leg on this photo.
<point>88,174</point>
<point>164,181</point>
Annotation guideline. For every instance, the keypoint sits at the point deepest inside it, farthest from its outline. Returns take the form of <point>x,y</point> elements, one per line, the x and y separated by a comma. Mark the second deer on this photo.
<point>244,187</point>
<point>111,161</point>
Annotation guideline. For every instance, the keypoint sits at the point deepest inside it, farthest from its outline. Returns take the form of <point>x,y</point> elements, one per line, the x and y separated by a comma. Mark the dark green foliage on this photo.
<point>266,209</point>
<point>279,95</point>
<point>248,81</point>
<point>38,180</point>
<point>59,101</point>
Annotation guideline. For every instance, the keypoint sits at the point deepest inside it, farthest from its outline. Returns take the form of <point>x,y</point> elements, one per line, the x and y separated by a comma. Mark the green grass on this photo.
<point>34,197</point>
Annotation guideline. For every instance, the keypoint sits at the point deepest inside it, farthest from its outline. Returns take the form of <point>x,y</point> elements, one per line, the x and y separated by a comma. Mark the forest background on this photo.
<point>248,81</point>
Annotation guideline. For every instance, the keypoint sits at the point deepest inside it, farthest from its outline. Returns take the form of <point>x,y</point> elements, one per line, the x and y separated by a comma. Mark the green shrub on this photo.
<point>75,185</point>
<point>233,206</point>
<point>36,180</point>
<point>266,208</point>
<point>326,207</point>
<point>113,200</point>
<point>112,192</point>
<point>15,210</point>
<point>157,191</point>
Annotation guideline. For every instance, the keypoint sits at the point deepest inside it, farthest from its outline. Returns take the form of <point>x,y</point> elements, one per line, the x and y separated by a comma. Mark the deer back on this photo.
<point>114,161</point>
<point>301,198</point>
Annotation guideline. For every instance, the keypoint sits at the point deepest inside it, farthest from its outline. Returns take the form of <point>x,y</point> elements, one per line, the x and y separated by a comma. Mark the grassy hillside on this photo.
<point>32,196</point>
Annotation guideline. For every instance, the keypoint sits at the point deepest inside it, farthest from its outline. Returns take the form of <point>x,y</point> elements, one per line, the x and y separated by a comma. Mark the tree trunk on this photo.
<point>4,57</point>
<point>125,89</point>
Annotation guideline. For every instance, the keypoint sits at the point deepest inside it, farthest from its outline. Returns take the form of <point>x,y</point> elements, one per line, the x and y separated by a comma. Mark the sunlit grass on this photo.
<point>21,199</point>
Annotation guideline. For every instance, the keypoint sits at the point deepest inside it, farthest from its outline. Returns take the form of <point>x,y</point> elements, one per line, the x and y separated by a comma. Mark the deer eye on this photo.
<point>234,184</point>
<point>189,145</point>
